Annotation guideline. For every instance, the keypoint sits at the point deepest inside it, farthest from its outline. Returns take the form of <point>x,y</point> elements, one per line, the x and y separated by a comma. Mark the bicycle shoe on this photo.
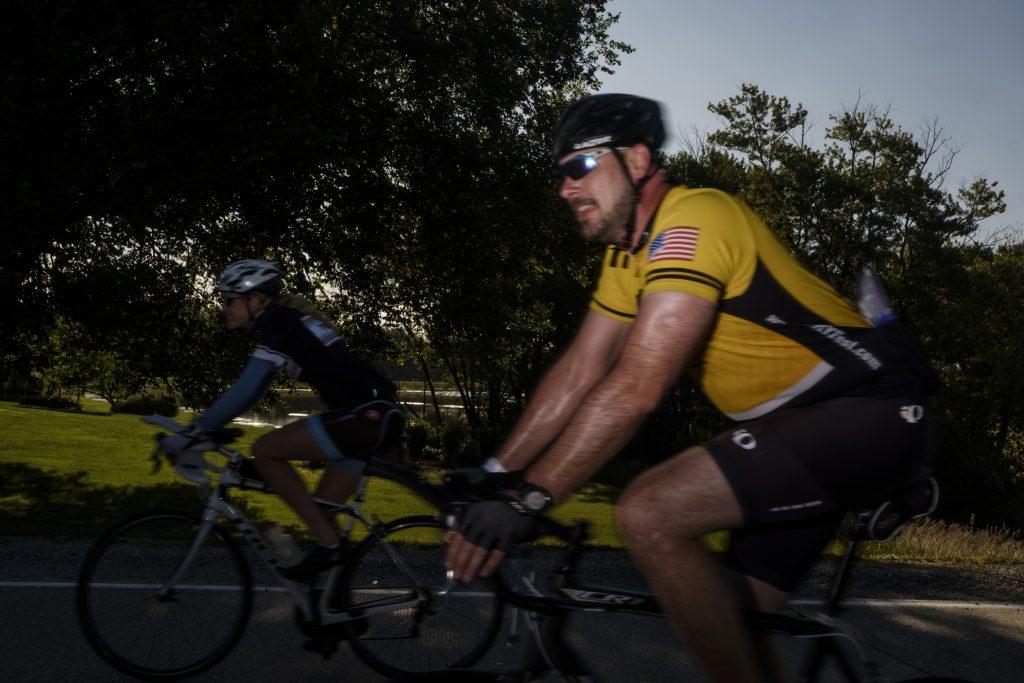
<point>318,559</point>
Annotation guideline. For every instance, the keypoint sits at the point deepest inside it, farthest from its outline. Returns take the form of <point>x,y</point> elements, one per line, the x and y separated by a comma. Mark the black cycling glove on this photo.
<point>497,524</point>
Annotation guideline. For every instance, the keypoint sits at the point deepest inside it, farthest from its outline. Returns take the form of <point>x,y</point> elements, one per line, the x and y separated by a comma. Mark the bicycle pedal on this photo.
<point>322,647</point>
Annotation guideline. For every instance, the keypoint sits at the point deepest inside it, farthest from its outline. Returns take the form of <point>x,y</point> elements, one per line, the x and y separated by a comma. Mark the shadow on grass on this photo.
<point>58,504</point>
<point>68,411</point>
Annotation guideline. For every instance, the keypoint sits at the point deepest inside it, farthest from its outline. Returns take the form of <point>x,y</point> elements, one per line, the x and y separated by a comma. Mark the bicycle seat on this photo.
<point>913,501</point>
<point>222,437</point>
<point>249,477</point>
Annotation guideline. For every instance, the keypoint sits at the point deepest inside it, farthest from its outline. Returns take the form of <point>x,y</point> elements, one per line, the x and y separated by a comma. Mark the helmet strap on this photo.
<point>248,309</point>
<point>636,187</point>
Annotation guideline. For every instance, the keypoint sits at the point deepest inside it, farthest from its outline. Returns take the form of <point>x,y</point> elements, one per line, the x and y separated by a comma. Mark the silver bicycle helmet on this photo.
<point>251,275</point>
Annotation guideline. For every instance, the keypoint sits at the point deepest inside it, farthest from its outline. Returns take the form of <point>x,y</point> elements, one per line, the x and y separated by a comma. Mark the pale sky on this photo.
<point>957,61</point>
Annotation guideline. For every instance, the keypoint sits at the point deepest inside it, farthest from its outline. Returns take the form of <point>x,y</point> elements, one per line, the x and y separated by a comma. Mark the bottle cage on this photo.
<point>916,500</point>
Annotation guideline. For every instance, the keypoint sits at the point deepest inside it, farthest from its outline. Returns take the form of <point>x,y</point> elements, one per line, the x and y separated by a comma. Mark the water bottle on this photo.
<point>283,545</point>
<point>872,300</point>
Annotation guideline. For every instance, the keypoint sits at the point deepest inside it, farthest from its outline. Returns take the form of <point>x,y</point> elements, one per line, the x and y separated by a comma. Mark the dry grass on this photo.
<point>931,540</point>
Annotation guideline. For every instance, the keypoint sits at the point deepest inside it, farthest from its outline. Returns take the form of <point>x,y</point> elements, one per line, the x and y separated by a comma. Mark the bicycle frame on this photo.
<point>218,505</point>
<point>180,557</point>
<point>547,615</point>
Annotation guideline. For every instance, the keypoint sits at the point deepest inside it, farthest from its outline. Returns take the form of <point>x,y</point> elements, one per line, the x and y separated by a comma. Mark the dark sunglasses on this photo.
<point>580,165</point>
<point>228,300</point>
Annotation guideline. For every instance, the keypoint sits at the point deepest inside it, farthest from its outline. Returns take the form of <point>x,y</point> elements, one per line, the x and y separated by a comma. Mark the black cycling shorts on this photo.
<point>349,437</point>
<point>796,471</point>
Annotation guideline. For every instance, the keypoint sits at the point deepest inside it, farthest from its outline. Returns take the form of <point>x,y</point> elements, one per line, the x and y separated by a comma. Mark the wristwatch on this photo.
<point>534,498</point>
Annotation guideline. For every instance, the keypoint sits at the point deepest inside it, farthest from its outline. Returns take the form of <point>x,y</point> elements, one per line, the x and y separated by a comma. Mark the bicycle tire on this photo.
<point>143,634</point>
<point>448,631</point>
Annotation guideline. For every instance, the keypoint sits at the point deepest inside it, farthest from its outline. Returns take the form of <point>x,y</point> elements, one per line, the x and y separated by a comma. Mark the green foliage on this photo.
<point>142,404</point>
<point>978,351</point>
<point>53,402</point>
<point>446,443</point>
<point>452,442</point>
<point>368,147</point>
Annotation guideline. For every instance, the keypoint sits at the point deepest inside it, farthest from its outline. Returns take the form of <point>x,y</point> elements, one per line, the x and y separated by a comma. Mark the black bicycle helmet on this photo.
<point>611,120</point>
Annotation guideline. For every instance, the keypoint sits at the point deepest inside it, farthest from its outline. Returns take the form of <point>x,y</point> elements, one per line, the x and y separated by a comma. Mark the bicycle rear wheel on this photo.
<point>147,628</point>
<point>451,625</point>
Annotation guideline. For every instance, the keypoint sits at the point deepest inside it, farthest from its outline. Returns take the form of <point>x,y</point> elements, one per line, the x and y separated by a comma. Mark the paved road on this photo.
<point>979,640</point>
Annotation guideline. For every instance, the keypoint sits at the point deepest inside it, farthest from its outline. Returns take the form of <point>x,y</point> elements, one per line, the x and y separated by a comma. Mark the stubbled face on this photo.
<point>600,200</point>
<point>233,308</point>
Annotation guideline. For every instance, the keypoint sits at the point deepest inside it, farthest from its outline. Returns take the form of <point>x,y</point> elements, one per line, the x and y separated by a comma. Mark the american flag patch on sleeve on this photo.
<point>678,244</point>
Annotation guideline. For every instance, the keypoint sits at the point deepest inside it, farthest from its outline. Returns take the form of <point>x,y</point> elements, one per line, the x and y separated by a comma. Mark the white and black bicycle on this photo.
<point>167,594</point>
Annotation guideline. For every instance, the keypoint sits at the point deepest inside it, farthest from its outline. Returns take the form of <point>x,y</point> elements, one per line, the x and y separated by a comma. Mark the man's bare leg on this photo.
<point>762,597</point>
<point>663,514</point>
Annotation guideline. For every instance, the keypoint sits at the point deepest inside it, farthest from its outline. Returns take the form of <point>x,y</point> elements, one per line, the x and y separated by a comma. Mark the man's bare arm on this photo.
<point>564,387</point>
<point>667,335</point>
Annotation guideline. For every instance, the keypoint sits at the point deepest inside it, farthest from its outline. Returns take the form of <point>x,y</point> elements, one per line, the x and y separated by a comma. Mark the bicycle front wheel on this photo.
<point>433,623</point>
<point>157,602</point>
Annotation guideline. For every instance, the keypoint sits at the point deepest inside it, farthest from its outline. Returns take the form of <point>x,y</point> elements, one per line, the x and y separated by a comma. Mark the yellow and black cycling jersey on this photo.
<point>782,336</point>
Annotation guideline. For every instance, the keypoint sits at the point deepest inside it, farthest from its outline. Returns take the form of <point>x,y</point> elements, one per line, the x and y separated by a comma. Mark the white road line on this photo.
<point>951,604</point>
<point>194,586</point>
<point>934,604</point>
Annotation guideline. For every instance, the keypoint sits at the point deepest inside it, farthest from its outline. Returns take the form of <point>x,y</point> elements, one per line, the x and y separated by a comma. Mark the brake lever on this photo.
<point>450,516</point>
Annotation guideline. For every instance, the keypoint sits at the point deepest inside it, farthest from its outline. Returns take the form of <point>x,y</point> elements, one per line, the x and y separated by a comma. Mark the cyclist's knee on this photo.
<point>675,497</point>
<point>263,449</point>
<point>641,512</point>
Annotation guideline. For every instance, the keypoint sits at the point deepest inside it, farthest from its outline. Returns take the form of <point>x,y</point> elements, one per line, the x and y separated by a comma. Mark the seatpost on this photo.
<point>357,500</point>
<point>841,576</point>
<point>566,572</point>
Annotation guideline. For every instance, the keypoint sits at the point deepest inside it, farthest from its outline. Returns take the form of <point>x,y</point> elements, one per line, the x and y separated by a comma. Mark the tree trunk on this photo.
<point>471,413</point>
<point>433,392</point>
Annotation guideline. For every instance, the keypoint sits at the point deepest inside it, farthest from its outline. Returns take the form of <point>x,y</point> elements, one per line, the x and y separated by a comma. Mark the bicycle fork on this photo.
<point>210,516</point>
<point>546,650</point>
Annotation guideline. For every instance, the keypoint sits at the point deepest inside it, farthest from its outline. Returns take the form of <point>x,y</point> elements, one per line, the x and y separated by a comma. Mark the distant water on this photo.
<point>294,406</point>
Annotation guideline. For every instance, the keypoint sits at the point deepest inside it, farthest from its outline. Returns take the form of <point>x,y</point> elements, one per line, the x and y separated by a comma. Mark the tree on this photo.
<point>340,139</point>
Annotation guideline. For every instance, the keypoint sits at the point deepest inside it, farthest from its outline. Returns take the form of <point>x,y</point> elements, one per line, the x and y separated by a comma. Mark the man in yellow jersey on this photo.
<point>830,405</point>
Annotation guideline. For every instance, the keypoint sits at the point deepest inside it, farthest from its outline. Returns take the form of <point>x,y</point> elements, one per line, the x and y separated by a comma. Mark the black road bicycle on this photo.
<point>167,594</point>
<point>544,608</point>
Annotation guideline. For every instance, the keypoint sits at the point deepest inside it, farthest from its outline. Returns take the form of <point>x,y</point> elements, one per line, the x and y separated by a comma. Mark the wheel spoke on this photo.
<point>154,637</point>
<point>454,631</point>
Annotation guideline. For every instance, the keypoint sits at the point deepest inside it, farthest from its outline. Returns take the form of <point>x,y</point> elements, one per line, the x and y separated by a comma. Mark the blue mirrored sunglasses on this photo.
<point>580,165</point>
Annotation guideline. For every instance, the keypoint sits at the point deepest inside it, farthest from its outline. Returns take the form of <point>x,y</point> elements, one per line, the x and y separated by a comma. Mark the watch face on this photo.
<point>535,501</point>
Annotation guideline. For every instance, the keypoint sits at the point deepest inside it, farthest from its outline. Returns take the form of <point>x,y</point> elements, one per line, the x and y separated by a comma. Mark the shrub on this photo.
<point>143,404</point>
<point>449,443</point>
<point>417,434</point>
<point>18,387</point>
<point>53,402</point>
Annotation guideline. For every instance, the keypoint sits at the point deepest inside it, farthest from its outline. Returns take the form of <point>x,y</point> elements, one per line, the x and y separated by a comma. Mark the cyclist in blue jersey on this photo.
<point>364,416</point>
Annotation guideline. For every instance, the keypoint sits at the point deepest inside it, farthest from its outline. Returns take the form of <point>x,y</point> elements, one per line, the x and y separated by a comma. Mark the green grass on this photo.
<point>73,474</point>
